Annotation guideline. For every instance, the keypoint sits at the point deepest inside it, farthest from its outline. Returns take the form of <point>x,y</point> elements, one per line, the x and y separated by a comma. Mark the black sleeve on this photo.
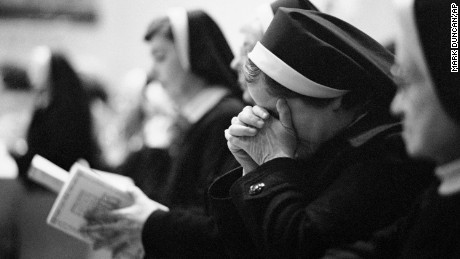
<point>289,218</point>
<point>181,234</point>
<point>187,231</point>
<point>384,244</point>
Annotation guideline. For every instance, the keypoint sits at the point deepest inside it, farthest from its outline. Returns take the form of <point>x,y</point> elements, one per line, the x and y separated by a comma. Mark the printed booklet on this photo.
<point>83,190</point>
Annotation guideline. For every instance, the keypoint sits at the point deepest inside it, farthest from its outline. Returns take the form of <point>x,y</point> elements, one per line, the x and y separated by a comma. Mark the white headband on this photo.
<point>408,36</point>
<point>179,24</point>
<point>282,73</point>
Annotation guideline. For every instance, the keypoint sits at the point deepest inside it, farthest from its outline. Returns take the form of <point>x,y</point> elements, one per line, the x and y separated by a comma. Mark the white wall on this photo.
<point>114,44</point>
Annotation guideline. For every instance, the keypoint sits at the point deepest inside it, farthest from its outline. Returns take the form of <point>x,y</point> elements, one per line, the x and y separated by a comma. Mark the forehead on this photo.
<point>261,96</point>
<point>409,58</point>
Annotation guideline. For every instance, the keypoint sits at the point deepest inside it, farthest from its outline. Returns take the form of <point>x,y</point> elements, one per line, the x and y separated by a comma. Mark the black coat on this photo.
<point>356,183</point>
<point>431,230</point>
<point>187,230</point>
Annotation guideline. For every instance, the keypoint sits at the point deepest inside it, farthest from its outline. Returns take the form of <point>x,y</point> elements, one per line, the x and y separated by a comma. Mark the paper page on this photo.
<point>85,191</point>
<point>47,173</point>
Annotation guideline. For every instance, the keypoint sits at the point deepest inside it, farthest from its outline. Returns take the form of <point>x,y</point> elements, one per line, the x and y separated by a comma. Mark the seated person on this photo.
<point>429,102</point>
<point>191,60</point>
<point>322,160</point>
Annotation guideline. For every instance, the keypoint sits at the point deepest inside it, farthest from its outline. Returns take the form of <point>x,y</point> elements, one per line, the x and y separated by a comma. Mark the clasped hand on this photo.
<point>255,137</point>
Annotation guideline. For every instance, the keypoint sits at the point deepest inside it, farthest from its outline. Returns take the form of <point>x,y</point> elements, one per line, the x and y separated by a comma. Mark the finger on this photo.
<point>111,242</point>
<point>227,134</point>
<point>118,251</point>
<point>99,215</point>
<point>119,226</point>
<point>249,118</point>
<point>260,112</point>
<point>97,234</point>
<point>237,142</point>
<point>284,113</point>
<point>241,131</point>
<point>94,230</point>
<point>134,192</point>
<point>236,121</point>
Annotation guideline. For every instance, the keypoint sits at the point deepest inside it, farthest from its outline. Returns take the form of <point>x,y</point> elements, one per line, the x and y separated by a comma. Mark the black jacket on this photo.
<point>431,230</point>
<point>354,184</point>
<point>187,230</point>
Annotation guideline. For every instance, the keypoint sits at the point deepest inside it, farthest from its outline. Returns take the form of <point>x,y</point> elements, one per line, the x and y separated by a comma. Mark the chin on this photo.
<point>417,151</point>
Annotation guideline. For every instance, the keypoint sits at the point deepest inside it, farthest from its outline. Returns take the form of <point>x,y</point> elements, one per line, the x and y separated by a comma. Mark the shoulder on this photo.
<point>230,104</point>
<point>225,109</point>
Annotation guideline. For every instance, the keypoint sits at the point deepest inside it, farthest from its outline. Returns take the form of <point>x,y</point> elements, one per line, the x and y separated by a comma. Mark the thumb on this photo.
<point>134,192</point>
<point>284,113</point>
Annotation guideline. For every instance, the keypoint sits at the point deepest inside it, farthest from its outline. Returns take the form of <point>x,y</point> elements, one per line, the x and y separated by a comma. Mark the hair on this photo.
<point>366,99</point>
<point>253,73</point>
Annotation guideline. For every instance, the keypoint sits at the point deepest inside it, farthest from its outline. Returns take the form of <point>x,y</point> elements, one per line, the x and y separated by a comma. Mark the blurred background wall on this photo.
<point>112,45</point>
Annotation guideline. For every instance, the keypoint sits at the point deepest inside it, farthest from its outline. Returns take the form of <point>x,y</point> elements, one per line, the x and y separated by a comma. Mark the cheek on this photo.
<point>422,121</point>
<point>257,92</point>
<point>173,72</point>
<point>307,123</point>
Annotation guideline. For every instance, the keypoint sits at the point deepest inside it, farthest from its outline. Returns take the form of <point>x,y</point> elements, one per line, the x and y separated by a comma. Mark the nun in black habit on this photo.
<point>191,59</point>
<point>323,161</point>
<point>429,101</point>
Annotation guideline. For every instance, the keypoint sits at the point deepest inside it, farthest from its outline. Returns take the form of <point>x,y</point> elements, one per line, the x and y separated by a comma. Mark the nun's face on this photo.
<point>166,67</point>
<point>313,125</point>
<point>427,130</point>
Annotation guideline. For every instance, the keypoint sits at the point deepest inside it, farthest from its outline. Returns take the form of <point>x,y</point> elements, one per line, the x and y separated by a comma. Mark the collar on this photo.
<point>367,127</point>
<point>363,130</point>
<point>9,166</point>
<point>202,102</point>
<point>449,174</point>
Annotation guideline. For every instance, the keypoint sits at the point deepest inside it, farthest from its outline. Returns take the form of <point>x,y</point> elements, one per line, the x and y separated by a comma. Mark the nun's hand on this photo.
<point>120,231</point>
<point>273,138</point>
<point>236,130</point>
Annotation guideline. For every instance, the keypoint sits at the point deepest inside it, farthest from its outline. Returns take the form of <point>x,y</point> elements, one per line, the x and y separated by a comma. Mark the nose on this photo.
<point>153,72</point>
<point>396,105</point>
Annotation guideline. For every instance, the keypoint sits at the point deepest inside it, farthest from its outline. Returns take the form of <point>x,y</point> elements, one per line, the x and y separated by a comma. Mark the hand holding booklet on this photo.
<point>82,191</point>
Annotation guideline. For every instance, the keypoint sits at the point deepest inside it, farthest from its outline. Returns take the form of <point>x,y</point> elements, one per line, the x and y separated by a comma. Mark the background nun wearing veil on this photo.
<point>191,59</point>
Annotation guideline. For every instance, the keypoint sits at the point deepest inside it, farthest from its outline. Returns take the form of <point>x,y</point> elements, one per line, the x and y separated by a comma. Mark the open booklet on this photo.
<point>81,191</point>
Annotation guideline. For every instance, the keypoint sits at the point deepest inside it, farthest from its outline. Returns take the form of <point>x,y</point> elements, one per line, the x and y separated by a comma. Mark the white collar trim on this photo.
<point>449,175</point>
<point>180,29</point>
<point>202,102</point>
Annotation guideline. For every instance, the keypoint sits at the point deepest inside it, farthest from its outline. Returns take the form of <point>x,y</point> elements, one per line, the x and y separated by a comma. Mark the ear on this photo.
<point>336,104</point>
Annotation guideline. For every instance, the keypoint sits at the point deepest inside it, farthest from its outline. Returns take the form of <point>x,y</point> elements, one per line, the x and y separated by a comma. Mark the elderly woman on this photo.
<point>322,159</point>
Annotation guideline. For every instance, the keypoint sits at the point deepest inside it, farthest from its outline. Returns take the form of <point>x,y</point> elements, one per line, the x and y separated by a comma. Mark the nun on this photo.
<point>253,30</point>
<point>323,162</point>
<point>429,102</point>
<point>191,59</point>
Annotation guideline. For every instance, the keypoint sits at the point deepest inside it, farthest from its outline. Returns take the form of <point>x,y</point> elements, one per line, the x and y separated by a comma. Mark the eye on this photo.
<point>160,56</point>
<point>400,77</point>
